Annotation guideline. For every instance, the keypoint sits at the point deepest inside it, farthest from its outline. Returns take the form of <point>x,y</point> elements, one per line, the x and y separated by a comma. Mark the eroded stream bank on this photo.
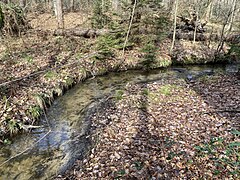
<point>69,123</point>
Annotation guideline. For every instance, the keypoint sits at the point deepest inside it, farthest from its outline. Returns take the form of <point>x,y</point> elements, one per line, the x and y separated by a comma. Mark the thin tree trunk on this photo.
<point>227,20</point>
<point>229,28</point>
<point>54,5</point>
<point>211,10</point>
<point>208,13</point>
<point>129,27</point>
<point>174,26</point>
<point>72,5</point>
<point>59,14</point>
<point>222,37</point>
<point>195,29</point>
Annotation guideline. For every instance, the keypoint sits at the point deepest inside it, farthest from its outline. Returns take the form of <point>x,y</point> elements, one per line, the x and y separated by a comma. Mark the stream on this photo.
<point>62,137</point>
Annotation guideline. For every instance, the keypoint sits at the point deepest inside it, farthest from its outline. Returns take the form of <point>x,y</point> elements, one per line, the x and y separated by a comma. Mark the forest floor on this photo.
<point>168,129</point>
<point>38,66</point>
<point>162,130</point>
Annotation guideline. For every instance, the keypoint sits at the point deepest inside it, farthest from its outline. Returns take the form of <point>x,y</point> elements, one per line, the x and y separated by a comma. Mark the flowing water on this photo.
<point>63,136</point>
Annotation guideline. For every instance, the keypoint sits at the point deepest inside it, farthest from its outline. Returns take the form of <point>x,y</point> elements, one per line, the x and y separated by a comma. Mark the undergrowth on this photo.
<point>222,154</point>
<point>12,19</point>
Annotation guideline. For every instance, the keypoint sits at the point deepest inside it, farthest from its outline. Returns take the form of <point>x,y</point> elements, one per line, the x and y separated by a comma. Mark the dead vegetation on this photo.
<point>14,21</point>
<point>166,130</point>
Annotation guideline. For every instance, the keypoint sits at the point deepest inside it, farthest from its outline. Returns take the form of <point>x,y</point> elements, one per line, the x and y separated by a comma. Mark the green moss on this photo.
<point>145,91</point>
<point>50,75</point>
<point>28,59</point>
<point>118,95</point>
<point>68,81</point>
<point>167,89</point>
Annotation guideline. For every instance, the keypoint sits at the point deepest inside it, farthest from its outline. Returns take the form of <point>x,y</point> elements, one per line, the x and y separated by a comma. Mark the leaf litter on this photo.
<point>169,129</point>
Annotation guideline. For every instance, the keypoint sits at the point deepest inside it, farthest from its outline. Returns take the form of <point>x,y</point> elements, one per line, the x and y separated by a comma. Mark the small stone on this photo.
<point>96,166</point>
<point>117,155</point>
<point>89,169</point>
<point>113,168</point>
<point>95,171</point>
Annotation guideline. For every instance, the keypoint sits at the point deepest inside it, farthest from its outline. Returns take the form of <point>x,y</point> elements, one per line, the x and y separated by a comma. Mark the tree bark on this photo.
<point>195,29</point>
<point>72,5</point>
<point>59,14</point>
<point>54,5</point>
<point>87,33</point>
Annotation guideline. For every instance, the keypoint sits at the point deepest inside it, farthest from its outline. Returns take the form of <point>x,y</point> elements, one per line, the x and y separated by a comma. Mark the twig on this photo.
<point>19,154</point>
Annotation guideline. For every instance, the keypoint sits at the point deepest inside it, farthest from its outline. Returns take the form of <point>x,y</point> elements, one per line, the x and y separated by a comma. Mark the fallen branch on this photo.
<point>192,24</point>
<point>204,37</point>
<point>28,127</point>
<point>87,33</point>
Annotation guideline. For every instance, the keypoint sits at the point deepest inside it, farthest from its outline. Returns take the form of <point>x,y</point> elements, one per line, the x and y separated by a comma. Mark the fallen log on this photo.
<point>235,38</point>
<point>191,24</point>
<point>87,33</point>
<point>91,33</point>
<point>199,36</point>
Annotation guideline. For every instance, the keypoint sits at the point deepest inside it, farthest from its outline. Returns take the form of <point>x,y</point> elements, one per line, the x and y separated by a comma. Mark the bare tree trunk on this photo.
<point>54,4</point>
<point>195,29</point>
<point>174,26</point>
<point>129,27</point>
<point>229,28</point>
<point>72,4</point>
<point>208,13</point>
<point>222,37</point>
<point>59,14</point>
<point>211,10</point>
<point>228,20</point>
